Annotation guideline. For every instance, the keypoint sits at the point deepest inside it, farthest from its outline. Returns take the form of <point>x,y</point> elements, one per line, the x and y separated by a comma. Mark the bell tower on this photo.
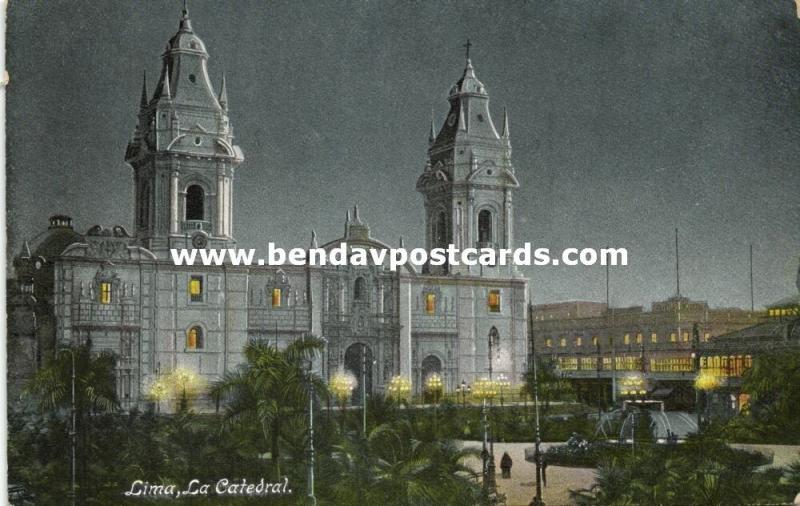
<point>182,153</point>
<point>468,180</point>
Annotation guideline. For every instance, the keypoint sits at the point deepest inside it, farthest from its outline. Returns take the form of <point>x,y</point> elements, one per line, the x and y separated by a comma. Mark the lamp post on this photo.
<point>537,455</point>
<point>399,389</point>
<point>502,382</point>
<point>464,389</point>
<point>486,390</point>
<point>696,367</point>
<point>158,392</point>
<point>434,386</point>
<point>364,389</point>
<point>73,433</point>
<point>494,338</point>
<point>311,394</point>
<point>341,385</point>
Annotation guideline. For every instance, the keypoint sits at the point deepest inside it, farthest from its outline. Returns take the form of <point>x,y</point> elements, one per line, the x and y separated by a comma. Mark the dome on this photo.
<point>185,39</point>
<point>468,82</point>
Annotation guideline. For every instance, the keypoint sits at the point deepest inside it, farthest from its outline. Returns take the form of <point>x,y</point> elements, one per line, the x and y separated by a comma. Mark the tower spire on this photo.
<point>165,87</point>
<point>467,46</point>
<point>313,239</point>
<point>432,134</point>
<point>223,94</point>
<point>505,123</point>
<point>26,250</point>
<point>144,100</point>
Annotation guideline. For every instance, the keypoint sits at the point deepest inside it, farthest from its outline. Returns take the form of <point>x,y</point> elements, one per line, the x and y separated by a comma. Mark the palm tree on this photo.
<point>95,382</point>
<point>270,387</point>
<point>95,389</point>
<point>392,466</point>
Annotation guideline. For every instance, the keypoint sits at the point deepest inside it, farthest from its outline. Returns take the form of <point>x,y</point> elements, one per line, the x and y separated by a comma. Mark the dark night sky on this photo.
<point>627,119</point>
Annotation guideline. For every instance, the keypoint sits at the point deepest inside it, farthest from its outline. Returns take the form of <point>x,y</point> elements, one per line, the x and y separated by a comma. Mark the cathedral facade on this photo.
<point>120,291</point>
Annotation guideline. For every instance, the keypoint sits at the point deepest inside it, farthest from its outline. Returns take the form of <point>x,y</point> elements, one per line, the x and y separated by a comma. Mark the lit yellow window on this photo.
<point>639,338</point>
<point>194,338</point>
<point>707,336</point>
<point>653,337</point>
<point>578,341</point>
<point>430,303</point>
<point>196,289</point>
<point>105,292</point>
<point>685,337</point>
<point>276,297</point>
<point>563,342</point>
<point>595,340</point>
<point>548,342</point>
<point>626,339</point>
<point>494,301</point>
<point>673,337</point>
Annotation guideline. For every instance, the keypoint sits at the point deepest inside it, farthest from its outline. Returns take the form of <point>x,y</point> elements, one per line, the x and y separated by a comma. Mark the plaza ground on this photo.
<point>519,490</point>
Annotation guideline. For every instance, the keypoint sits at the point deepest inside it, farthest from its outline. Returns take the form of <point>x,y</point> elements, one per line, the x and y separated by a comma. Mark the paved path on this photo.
<point>519,490</point>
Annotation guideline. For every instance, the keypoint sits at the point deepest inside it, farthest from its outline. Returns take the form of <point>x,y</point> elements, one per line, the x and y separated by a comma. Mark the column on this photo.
<point>220,215</point>
<point>174,221</point>
<point>404,312</point>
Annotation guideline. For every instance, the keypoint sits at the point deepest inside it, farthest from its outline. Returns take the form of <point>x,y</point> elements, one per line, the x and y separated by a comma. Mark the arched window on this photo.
<point>194,203</point>
<point>430,303</point>
<point>441,229</point>
<point>194,338</point>
<point>485,226</point>
<point>359,291</point>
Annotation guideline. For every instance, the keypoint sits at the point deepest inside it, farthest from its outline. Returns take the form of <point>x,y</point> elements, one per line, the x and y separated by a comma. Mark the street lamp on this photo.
<point>464,389</point>
<point>399,389</point>
<point>185,381</point>
<point>486,390</point>
<point>502,382</point>
<point>341,384</point>
<point>308,366</point>
<point>159,391</point>
<point>494,340</point>
<point>73,433</point>
<point>704,382</point>
<point>537,454</point>
<point>434,388</point>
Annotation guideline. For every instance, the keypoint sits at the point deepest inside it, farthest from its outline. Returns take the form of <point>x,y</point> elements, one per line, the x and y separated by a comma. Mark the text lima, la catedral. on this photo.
<point>222,487</point>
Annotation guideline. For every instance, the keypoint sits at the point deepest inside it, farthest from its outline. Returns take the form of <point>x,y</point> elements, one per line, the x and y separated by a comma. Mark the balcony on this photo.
<point>194,225</point>
<point>93,314</point>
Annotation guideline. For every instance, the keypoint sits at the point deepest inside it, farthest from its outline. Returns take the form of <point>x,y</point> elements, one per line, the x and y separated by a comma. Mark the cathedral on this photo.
<point>119,289</point>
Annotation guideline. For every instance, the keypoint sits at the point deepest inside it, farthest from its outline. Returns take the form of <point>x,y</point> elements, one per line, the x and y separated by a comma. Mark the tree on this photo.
<point>550,384</point>
<point>95,390</point>
<point>774,397</point>
<point>393,467</point>
<point>269,388</point>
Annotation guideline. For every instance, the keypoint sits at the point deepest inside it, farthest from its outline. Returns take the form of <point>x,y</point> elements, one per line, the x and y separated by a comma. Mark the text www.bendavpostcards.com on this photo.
<point>344,255</point>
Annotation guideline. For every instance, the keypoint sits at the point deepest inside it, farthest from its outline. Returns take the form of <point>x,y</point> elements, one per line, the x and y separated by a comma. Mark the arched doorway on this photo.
<point>354,358</point>
<point>431,365</point>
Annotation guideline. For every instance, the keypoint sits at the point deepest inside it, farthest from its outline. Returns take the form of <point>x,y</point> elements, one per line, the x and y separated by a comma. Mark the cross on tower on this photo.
<point>467,46</point>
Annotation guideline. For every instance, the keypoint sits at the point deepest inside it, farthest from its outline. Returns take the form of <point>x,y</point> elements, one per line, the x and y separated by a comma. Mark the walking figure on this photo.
<point>505,465</point>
